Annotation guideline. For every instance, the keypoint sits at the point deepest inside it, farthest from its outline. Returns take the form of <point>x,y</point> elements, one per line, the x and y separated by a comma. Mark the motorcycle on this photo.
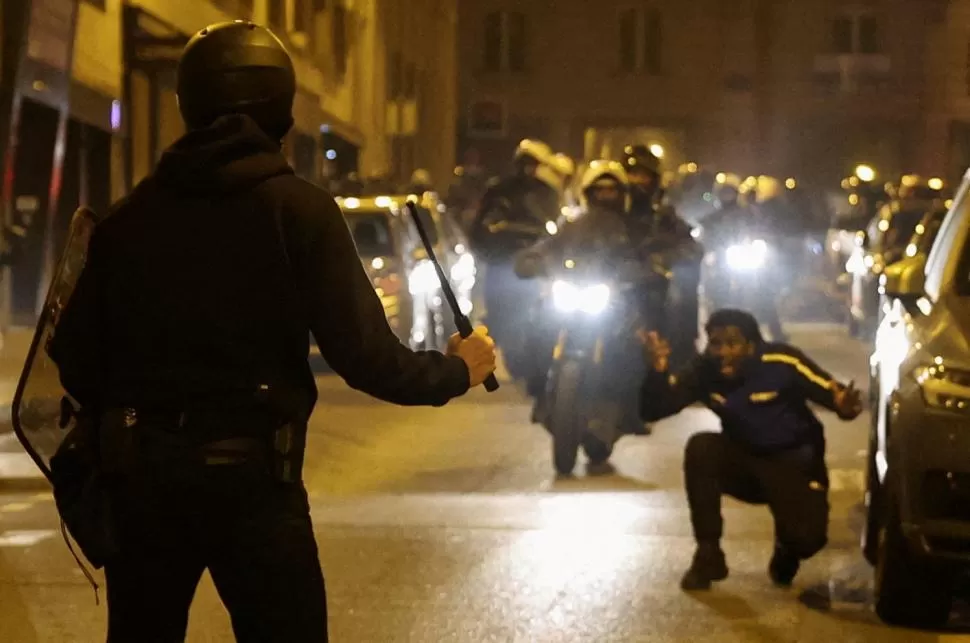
<point>592,387</point>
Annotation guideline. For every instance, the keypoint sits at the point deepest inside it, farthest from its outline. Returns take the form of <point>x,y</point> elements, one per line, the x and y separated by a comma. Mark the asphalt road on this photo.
<point>447,525</point>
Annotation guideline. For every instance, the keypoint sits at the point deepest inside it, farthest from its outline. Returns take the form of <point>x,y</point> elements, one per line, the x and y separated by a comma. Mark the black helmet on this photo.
<point>640,157</point>
<point>237,68</point>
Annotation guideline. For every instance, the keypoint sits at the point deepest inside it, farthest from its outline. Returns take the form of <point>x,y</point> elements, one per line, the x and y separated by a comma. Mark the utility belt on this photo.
<point>206,436</point>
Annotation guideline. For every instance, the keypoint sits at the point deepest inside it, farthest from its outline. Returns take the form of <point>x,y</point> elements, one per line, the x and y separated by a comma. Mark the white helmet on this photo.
<point>551,177</point>
<point>564,165</point>
<point>535,149</point>
<point>421,177</point>
<point>600,170</point>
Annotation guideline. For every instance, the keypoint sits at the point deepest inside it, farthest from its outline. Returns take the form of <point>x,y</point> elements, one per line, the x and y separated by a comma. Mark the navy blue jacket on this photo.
<point>765,410</point>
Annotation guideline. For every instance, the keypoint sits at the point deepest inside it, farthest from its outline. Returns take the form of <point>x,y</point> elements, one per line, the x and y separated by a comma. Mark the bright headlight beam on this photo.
<point>567,297</point>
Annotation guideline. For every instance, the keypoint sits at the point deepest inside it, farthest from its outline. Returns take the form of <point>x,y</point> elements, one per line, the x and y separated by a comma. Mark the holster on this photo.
<point>80,491</point>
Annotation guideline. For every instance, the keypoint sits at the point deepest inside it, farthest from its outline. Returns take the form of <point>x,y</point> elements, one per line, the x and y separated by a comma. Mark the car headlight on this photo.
<point>567,297</point>
<point>750,255</point>
<point>943,387</point>
<point>423,279</point>
<point>464,269</point>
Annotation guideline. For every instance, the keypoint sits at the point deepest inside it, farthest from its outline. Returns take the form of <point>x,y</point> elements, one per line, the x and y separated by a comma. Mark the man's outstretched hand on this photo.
<point>848,401</point>
<point>656,350</point>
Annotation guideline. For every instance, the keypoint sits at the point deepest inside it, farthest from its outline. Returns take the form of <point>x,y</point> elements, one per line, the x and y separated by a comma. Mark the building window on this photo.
<point>301,16</point>
<point>855,34</point>
<point>395,76</point>
<point>276,14</point>
<point>967,70</point>
<point>641,40</point>
<point>505,41</point>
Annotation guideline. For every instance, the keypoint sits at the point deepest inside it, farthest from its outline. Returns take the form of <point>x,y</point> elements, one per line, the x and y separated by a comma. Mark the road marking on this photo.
<point>16,506</point>
<point>25,538</point>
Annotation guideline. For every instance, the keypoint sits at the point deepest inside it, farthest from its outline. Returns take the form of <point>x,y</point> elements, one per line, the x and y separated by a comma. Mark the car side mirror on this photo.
<point>905,279</point>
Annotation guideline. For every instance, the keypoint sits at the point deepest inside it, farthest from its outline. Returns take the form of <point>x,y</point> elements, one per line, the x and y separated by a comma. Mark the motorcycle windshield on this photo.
<point>37,406</point>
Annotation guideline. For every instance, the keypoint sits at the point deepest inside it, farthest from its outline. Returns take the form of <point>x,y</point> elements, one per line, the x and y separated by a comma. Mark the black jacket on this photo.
<point>188,297</point>
<point>765,410</point>
<point>512,214</point>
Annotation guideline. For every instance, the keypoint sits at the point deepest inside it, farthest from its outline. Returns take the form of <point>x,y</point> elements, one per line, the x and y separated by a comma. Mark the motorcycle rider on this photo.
<point>420,182</point>
<point>605,224</point>
<point>773,219</point>
<point>729,212</point>
<point>670,236</point>
<point>513,215</point>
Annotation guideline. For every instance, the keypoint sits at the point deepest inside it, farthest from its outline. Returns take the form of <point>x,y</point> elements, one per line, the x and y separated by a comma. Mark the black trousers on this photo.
<point>794,485</point>
<point>178,516</point>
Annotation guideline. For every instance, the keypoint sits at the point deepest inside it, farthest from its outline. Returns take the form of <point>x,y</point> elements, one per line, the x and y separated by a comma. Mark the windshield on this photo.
<point>901,228</point>
<point>930,228</point>
<point>372,233</point>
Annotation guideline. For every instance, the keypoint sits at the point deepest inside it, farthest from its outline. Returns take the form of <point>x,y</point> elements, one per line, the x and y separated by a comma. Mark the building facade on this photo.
<point>87,101</point>
<point>805,89</point>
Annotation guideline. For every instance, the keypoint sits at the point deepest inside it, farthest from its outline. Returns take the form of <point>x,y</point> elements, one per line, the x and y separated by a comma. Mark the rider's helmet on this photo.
<point>421,180</point>
<point>605,184</point>
<point>530,154</point>
<point>236,68</point>
<point>727,189</point>
<point>564,166</point>
<point>643,168</point>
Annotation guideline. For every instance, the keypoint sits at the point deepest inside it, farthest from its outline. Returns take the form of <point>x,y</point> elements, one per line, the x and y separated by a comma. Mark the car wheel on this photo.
<point>872,525</point>
<point>910,591</point>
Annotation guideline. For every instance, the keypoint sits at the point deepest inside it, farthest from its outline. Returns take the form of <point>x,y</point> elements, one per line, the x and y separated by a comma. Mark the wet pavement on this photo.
<point>448,525</point>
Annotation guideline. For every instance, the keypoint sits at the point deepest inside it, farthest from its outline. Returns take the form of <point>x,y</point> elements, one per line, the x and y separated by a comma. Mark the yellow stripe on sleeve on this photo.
<point>800,366</point>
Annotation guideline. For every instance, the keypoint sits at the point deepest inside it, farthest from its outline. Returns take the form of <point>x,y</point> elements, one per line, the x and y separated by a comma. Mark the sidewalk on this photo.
<point>17,470</point>
<point>13,352</point>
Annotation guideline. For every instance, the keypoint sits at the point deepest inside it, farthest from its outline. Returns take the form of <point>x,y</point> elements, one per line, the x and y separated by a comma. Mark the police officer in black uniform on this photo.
<point>188,333</point>
<point>771,448</point>
<point>657,228</point>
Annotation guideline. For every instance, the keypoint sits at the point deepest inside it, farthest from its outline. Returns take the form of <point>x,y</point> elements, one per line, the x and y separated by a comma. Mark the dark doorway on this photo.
<point>31,193</point>
<point>87,177</point>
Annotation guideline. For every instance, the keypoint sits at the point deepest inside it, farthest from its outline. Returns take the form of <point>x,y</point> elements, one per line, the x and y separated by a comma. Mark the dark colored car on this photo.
<point>917,527</point>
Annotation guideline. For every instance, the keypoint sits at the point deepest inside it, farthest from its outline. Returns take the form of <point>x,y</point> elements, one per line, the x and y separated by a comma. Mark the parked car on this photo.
<point>917,526</point>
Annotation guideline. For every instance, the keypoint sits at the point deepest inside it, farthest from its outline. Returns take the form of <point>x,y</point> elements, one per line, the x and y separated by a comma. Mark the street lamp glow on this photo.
<point>936,183</point>
<point>791,184</point>
<point>657,150</point>
<point>865,173</point>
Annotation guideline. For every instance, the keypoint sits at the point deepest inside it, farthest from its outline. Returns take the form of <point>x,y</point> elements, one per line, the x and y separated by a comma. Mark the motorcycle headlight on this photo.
<point>423,279</point>
<point>567,297</point>
<point>746,256</point>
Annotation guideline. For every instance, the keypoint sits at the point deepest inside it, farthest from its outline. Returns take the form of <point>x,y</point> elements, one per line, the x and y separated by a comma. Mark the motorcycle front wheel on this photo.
<point>565,419</point>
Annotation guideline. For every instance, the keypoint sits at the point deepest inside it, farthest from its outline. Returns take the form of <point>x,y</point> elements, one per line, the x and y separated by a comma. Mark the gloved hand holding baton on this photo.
<point>462,323</point>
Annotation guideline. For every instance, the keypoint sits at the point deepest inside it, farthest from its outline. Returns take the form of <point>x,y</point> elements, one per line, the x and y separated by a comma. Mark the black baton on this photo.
<point>462,323</point>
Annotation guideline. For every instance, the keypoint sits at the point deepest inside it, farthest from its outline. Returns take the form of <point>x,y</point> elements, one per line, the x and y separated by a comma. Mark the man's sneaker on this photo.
<point>783,567</point>
<point>707,567</point>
